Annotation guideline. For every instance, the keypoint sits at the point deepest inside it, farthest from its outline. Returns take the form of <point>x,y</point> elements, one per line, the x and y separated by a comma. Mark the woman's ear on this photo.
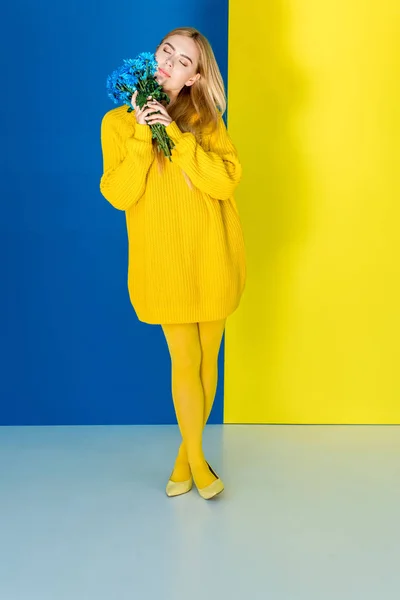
<point>193,80</point>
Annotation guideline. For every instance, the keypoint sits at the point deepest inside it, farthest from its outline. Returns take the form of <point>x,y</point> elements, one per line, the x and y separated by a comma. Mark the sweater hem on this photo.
<point>201,318</point>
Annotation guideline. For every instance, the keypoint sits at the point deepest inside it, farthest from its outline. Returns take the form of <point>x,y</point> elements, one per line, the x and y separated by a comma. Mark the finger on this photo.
<point>156,120</point>
<point>147,101</point>
<point>160,114</point>
<point>142,110</point>
<point>158,105</point>
<point>154,111</point>
<point>148,112</point>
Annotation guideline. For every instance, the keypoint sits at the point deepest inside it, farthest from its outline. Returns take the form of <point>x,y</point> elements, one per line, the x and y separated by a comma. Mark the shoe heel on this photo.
<point>212,471</point>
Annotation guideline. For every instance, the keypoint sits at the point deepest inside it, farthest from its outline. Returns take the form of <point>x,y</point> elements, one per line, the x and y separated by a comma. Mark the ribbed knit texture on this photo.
<point>186,246</point>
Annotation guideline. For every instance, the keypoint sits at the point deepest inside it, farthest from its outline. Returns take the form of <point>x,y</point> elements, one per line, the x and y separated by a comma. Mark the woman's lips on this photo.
<point>164,73</point>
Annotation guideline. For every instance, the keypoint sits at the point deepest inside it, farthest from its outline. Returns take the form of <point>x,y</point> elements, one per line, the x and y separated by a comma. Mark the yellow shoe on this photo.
<point>176,488</point>
<point>212,490</point>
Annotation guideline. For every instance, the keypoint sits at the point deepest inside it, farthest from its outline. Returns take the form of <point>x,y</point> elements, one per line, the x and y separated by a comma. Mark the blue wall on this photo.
<point>72,349</point>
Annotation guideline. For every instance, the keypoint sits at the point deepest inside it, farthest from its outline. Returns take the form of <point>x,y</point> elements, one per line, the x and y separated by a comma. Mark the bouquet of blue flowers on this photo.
<point>138,74</point>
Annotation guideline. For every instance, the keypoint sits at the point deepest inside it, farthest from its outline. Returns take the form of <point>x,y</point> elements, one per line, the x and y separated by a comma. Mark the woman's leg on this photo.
<point>210,334</point>
<point>184,345</point>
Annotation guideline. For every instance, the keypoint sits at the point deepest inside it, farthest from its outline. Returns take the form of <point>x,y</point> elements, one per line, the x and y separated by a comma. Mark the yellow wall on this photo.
<point>314,111</point>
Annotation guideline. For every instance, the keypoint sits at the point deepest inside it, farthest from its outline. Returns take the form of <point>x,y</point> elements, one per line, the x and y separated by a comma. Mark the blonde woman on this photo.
<point>186,250</point>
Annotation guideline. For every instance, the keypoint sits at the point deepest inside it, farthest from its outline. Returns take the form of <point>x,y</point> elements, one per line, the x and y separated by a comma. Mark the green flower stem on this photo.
<point>158,130</point>
<point>162,138</point>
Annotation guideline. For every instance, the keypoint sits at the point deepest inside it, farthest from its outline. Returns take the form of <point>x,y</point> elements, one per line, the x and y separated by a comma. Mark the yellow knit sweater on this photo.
<point>186,247</point>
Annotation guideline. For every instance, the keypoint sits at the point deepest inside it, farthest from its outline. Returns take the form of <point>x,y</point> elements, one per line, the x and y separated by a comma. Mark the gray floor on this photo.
<point>309,512</point>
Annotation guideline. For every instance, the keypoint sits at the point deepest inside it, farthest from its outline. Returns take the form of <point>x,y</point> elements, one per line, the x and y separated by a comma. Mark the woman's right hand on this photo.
<point>141,114</point>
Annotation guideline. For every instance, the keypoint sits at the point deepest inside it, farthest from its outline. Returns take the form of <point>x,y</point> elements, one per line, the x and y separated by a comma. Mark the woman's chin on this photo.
<point>160,79</point>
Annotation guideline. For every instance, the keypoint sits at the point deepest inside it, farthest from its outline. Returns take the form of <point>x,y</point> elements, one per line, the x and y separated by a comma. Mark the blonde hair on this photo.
<point>198,107</point>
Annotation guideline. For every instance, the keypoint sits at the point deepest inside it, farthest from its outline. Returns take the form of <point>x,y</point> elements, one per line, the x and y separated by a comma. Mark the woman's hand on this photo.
<point>141,114</point>
<point>162,118</point>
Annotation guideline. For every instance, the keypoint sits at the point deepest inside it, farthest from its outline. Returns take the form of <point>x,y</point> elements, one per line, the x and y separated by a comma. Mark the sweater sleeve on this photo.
<point>216,172</point>
<point>125,162</point>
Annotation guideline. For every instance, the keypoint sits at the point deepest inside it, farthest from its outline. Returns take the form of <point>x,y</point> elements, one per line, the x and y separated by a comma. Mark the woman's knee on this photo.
<point>187,358</point>
<point>184,345</point>
<point>209,362</point>
<point>210,340</point>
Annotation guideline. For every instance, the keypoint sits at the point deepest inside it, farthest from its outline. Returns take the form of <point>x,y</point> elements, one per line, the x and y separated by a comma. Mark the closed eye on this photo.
<point>179,61</point>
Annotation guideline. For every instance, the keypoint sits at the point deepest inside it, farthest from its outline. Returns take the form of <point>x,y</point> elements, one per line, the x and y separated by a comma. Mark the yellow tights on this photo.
<point>194,349</point>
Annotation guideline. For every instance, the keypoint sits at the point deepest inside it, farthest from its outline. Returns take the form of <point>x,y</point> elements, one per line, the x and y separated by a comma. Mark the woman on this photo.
<point>186,249</point>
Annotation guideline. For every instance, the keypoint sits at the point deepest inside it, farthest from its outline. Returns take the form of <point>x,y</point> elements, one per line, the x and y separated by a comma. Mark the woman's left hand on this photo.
<point>163,117</point>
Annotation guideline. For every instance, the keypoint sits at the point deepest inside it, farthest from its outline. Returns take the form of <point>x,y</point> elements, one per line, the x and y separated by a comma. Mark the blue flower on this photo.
<point>144,63</point>
<point>138,74</point>
<point>121,83</point>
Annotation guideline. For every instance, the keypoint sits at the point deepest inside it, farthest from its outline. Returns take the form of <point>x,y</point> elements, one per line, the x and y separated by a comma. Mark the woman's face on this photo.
<point>178,59</point>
